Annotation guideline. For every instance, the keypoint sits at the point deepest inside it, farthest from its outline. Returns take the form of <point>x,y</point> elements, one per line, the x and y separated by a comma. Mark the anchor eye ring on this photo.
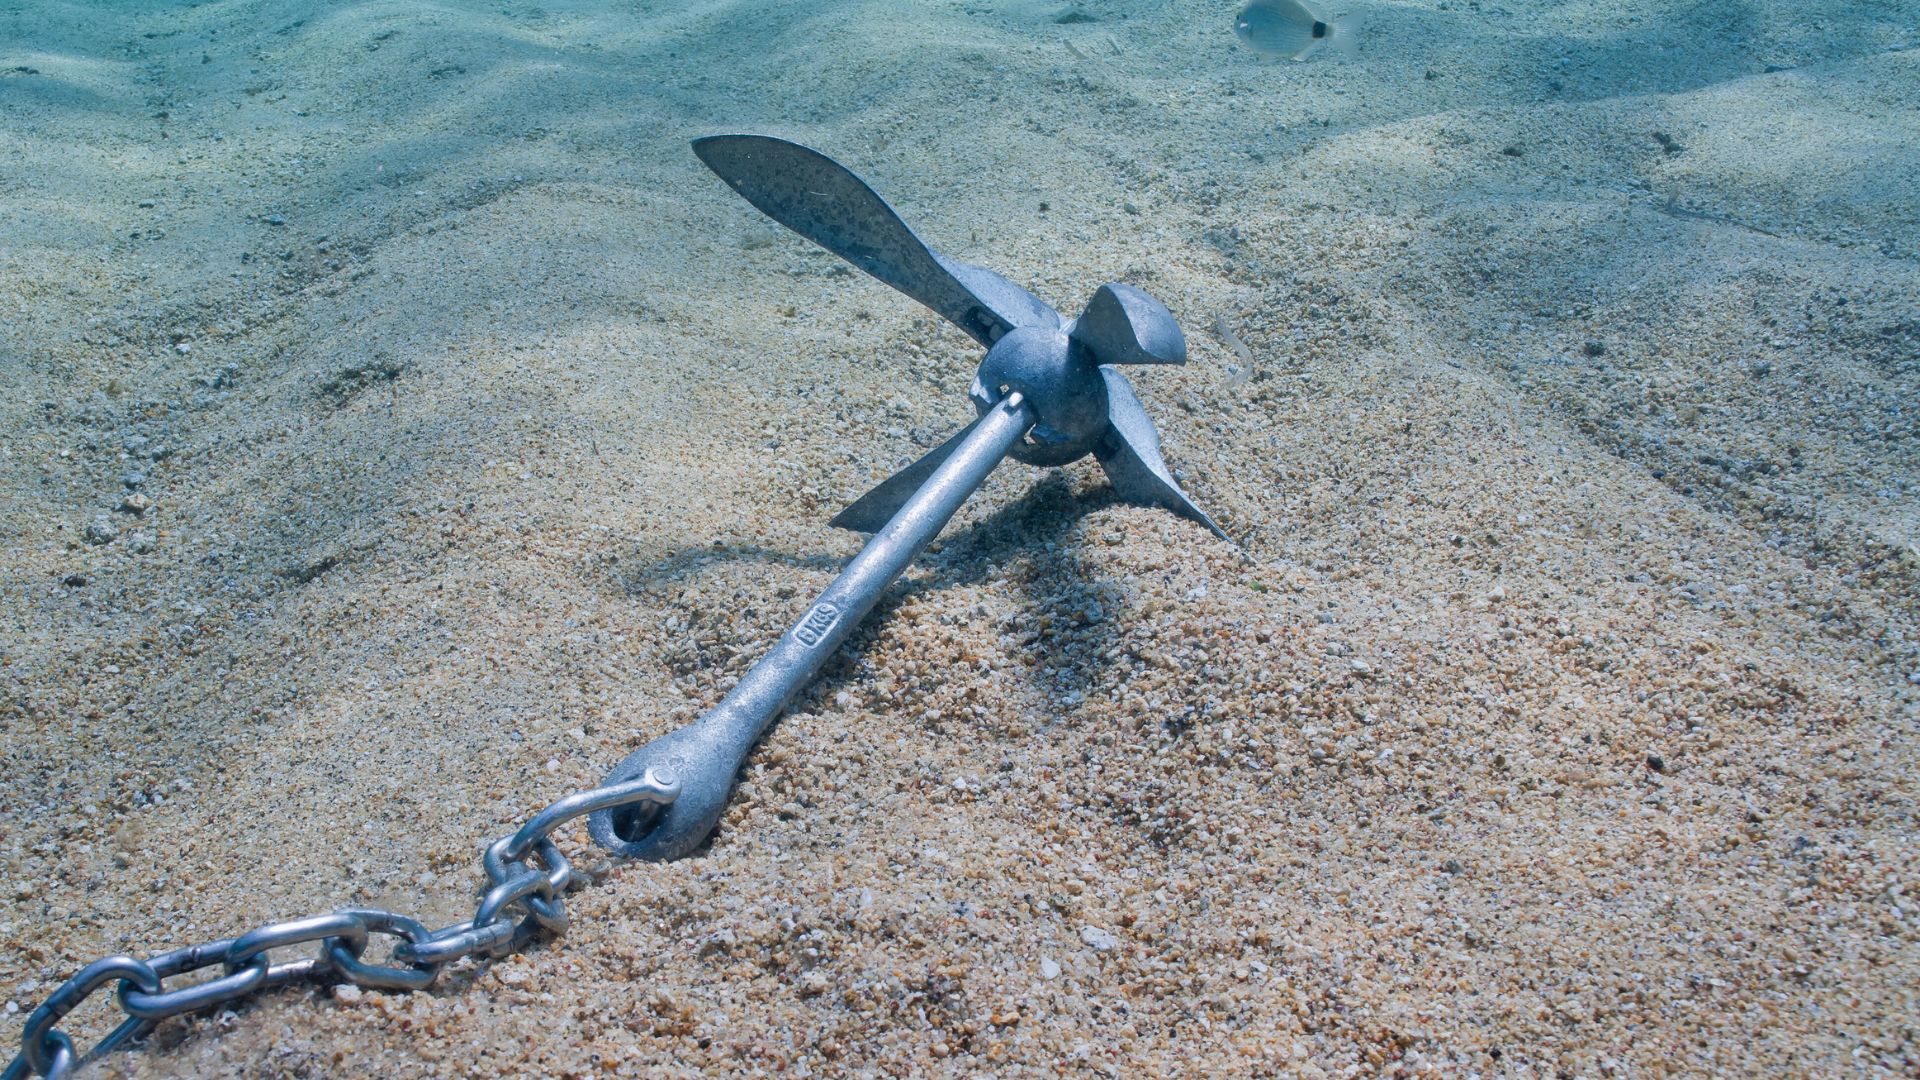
<point>637,821</point>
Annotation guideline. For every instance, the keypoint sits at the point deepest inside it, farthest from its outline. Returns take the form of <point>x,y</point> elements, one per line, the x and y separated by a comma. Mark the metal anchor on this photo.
<point>1048,392</point>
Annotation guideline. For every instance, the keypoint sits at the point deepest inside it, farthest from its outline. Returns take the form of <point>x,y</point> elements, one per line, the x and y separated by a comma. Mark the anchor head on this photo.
<point>1060,381</point>
<point>1068,370</point>
<point>1058,369</point>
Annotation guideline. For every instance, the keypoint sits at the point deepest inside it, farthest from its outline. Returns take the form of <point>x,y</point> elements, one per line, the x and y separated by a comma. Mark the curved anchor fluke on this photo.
<point>1130,454</point>
<point>818,198</point>
<point>1124,325</point>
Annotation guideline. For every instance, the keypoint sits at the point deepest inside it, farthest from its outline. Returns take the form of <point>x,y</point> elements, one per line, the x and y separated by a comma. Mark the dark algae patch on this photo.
<point>351,381</point>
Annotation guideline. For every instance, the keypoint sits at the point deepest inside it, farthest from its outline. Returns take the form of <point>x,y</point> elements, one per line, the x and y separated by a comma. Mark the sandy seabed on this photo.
<point>400,425</point>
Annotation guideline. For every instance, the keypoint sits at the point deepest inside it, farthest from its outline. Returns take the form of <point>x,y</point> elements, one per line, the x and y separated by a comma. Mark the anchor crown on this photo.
<point>1058,369</point>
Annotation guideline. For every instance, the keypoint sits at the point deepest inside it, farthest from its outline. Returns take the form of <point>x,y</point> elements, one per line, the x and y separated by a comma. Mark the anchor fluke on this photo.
<point>1130,455</point>
<point>874,509</point>
<point>1124,325</point>
<point>817,197</point>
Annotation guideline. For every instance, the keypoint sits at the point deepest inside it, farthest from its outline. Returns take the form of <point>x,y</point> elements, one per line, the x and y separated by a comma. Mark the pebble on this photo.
<point>136,504</point>
<point>133,479</point>
<point>1100,941</point>
<point>141,543</point>
<point>100,530</point>
<point>1049,968</point>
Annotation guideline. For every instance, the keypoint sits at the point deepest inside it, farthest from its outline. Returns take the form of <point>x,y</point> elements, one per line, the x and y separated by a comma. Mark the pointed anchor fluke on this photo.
<point>1123,325</point>
<point>817,197</point>
<point>1130,454</point>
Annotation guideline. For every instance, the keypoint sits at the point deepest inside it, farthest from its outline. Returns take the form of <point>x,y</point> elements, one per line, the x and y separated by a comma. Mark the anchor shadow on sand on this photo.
<point>1040,525</point>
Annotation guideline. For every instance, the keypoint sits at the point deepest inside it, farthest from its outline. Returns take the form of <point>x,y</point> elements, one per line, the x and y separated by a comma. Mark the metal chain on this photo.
<point>415,961</point>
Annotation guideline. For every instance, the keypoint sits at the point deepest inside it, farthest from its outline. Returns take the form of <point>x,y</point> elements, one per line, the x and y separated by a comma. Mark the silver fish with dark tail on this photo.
<point>1296,30</point>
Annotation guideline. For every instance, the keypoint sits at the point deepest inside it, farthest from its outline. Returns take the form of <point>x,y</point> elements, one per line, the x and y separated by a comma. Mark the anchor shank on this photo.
<point>802,651</point>
<point>706,754</point>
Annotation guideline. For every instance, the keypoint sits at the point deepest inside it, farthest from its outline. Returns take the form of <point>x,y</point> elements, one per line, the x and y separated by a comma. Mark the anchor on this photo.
<point>1049,391</point>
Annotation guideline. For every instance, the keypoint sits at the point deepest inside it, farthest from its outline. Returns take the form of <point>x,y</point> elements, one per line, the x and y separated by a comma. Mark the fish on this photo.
<point>1296,30</point>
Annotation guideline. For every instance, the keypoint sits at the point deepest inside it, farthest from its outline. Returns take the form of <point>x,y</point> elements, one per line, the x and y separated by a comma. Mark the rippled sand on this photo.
<point>1560,719</point>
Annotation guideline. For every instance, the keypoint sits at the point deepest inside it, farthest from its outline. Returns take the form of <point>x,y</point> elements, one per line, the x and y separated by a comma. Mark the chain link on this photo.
<point>416,960</point>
